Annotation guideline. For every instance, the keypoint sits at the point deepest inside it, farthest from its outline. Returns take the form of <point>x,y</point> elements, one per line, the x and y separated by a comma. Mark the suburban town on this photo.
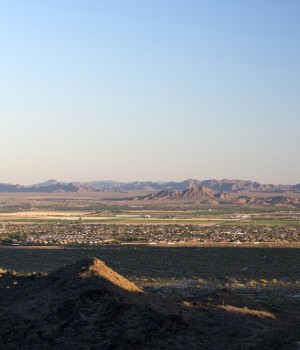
<point>97,234</point>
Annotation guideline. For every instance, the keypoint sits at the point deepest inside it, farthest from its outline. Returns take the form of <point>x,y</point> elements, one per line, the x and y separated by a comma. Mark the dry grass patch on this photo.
<point>245,311</point>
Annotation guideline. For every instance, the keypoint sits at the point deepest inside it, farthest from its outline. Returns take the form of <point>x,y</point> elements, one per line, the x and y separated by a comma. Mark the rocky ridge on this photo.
<point>206,196</point>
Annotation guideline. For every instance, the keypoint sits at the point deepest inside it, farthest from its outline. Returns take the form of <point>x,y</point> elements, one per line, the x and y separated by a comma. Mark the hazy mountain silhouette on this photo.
<point>224,185</point>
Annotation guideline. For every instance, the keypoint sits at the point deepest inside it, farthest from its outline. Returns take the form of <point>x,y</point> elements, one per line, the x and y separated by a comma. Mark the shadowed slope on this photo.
<point>87,305</point>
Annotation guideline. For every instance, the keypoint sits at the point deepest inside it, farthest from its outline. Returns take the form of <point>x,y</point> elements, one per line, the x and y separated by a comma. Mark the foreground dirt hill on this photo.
<point>87,305</point>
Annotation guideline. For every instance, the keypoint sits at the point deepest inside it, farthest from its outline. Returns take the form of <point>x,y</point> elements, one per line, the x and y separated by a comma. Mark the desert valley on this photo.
<point>174,266</point>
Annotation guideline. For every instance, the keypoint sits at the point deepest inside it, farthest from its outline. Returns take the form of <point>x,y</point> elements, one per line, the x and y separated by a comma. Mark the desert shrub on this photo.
<point>252,283</point>
<point>187,304</point>
<point>32,339</point>
<point>135,336</point>
<point>10,346</point>
<point>264,283</point>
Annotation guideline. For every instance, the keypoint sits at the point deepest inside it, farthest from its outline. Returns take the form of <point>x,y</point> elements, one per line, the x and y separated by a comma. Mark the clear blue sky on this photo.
<point>149,90</point>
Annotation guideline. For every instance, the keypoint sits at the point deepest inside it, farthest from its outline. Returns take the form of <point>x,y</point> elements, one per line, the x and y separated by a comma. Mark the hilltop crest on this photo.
<point>96,268</point>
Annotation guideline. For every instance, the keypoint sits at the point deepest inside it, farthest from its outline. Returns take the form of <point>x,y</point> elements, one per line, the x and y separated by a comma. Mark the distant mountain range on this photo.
<point>205,196</point>
<point>225,185</point>
<point>199,194</point>
<point>47,187</point>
